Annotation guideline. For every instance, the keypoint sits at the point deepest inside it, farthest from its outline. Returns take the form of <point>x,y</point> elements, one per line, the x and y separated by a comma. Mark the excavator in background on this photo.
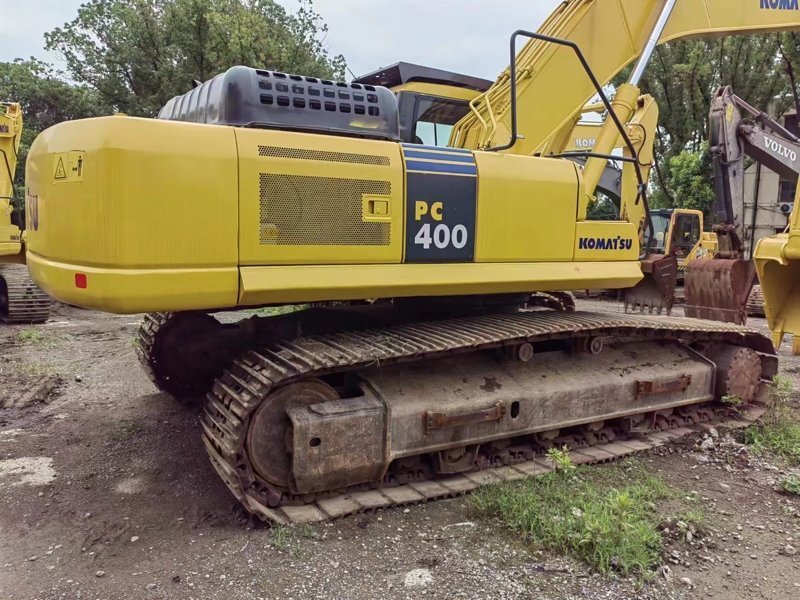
<point>21,301</point>
<point>739,131</point>
<point>426,354</point>
<point>721,288</point>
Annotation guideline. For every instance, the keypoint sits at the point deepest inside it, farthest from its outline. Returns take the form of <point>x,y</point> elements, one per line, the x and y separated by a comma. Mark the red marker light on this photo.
<point>80,280</point>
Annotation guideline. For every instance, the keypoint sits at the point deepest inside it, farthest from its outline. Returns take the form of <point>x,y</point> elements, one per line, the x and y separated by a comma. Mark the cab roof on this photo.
<point>404,72</point>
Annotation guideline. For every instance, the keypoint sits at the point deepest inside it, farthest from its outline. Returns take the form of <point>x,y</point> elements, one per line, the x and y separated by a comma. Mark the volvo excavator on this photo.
<point>438,350</point>
<point>739,131</point>
<point>721,288</point>
<point>21,301</point>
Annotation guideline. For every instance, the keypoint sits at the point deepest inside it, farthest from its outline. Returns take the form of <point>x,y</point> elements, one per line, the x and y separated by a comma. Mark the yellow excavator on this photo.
<point>438,343</point>
<point>21,301</point>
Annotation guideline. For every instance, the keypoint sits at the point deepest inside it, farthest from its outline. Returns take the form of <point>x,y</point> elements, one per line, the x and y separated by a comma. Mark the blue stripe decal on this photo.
<point>414,165</point>
<point>423,148</point>
<point>466,158</point>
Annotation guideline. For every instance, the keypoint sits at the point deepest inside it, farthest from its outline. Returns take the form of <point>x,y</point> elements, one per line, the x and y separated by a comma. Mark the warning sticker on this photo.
<point>60,172</point>
<point>68,166</point>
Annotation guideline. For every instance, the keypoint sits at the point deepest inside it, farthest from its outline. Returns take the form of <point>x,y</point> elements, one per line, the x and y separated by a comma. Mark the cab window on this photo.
<point>685,234</point>
<point>434,119</point>
<point>660,229</point>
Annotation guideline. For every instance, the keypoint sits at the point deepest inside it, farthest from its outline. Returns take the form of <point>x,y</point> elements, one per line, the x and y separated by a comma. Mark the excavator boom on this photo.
<point>547,100</point>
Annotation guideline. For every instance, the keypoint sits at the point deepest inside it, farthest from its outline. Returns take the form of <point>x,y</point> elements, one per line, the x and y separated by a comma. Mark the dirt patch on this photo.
<point>21,391</point>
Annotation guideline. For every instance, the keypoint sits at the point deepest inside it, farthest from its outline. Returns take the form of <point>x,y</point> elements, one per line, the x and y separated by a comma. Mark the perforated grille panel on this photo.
<point>345,157</point>
<point>298,210</point>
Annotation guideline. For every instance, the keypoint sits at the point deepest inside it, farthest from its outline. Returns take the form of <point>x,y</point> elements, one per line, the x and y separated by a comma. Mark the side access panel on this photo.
<point>317,200</point>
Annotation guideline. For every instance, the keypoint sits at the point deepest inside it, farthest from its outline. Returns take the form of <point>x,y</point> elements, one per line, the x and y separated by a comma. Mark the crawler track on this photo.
<point>240,391</point>
<point>21,301</point>
<point>755,302</point>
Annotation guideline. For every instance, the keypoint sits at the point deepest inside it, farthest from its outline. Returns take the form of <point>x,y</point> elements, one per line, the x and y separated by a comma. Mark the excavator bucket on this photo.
<point>718,289</point>
<point>656,292</point>
<point>778,263</point>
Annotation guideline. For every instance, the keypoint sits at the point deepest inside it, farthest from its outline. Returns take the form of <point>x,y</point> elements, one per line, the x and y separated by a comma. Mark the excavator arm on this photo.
<point>10,132</point>
<point>720,288</point>
<point>547,100</point>
<point>737,130</point>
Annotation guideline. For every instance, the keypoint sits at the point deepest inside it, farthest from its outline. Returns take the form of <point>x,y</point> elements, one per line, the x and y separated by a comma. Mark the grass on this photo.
<point>604,516</point>
<point>287,537</point>
<point>31,335</point>
<point>791,485</point>
<point>778,432</point>
<point>37,370</point>
<point>275,311</point>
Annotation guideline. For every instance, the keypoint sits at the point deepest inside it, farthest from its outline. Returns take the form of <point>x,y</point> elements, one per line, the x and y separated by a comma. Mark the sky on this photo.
<point>467,36</point>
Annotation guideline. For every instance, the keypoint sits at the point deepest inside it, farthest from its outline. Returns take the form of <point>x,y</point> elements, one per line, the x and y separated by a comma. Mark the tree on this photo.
<point>682,76</point>
<point>46,100</point>
<point>691,185</point>
<point>137,54</point>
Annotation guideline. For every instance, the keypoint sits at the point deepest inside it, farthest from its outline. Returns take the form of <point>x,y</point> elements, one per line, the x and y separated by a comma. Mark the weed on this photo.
<point>606,516</point>
<point>31,335</point>
<point>37,369</point>
<point>286,537</point>
<point>732,401</point>
<point>791,485</point>
<point>560,458</point>
<point>779,429</point>
<point>693,517</point>
<point>280,537</point>
<point>275,311</point>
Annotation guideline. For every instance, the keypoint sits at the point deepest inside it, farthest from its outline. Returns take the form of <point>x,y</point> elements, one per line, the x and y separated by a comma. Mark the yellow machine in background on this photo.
<point>778,264</point>
<point>425,354</point>
<point>21,301</point>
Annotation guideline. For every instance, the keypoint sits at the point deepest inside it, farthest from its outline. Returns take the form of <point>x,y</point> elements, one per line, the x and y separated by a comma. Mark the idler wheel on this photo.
<point>738,372</point>
<point>269,435</point>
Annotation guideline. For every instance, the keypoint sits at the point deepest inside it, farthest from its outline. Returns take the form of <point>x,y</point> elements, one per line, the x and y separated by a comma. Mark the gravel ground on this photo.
<point>105,492</point>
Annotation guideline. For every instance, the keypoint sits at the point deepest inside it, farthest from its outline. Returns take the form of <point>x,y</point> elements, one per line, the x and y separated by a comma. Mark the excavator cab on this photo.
<point>686,228</point>
<point>430,101</point>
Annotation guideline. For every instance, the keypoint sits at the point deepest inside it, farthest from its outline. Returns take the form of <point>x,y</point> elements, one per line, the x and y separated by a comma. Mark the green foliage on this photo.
<point>791,485</point>
<point>690,182</point>
<point>561,459</point>
<point>46,99</point>
<point>606,516</point>
<point>733,401</point>
<point>682,77</point>
<point>602,209</point>
<point>31,335</point>
<point>137,54</point>
<point>286,538</point>
<point>779,430</point>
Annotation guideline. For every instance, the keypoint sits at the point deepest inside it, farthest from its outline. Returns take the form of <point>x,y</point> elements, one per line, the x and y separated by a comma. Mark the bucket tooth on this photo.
<point>656,292</point>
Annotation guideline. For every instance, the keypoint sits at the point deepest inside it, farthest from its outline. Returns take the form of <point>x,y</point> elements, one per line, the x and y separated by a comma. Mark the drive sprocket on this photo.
<point>182,353</point>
